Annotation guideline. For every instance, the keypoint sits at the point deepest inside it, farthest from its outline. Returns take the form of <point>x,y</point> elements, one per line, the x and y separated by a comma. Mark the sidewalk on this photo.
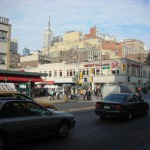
<point>46,99</point>
<point>61,100</point>
<point>94,98</point>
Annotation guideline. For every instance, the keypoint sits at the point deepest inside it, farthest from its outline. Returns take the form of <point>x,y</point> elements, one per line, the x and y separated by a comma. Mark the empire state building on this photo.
<point>48,38</point>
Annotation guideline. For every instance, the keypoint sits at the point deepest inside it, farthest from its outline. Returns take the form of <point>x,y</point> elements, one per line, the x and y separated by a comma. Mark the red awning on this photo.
<point>47,82</point>
<point>21,79</point>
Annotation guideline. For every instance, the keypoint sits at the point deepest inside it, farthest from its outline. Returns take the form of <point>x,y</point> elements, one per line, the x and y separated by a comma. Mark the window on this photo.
<point>71,72</point>
<point>113,72</point>
<point>60,73</point>
<point>55,73</point>
<point>97,72</point>
<point>3,36</point>
<point>2,58</point>
<point>15,109</point>
<point>50,74</point>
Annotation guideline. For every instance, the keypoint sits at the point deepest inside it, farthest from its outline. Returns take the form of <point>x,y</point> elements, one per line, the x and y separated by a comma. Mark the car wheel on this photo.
<point>63,130</point>
<point>146,111</point>
<point>129,116</point>
<point>103,117</point>
<point>2,143</point>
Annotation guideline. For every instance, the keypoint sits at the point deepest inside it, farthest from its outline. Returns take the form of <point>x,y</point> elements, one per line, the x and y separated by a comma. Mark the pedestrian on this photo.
<point>72,94</point>
<point>49,93</point>
<point>89,94</point>
<point>78,94</point>
<point>84,94</point>
<point>66,95</point>
<point>139,93</point>
<point>58,93</point>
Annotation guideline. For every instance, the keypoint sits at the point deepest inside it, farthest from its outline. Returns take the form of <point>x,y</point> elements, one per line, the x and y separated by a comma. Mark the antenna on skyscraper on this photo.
<point>49,24</point>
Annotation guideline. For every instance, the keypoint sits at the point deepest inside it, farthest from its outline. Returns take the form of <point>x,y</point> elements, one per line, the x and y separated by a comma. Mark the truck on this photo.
<point>117,88</point>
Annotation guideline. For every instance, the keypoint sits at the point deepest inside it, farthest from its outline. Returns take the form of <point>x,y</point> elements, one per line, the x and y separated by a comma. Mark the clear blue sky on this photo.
<point>122,18</point>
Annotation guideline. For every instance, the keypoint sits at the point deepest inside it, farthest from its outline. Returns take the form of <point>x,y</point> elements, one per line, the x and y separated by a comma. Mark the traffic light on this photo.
<point>83,72</point>
<point>81,76</point>
<point>91,79</point>
<point>123,67</point>
<point>91,71</point>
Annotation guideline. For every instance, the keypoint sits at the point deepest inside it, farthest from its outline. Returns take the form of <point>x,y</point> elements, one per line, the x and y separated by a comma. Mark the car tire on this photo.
<point>2,143</point>
<point>146,111</point>
<point>103,117</point>
<point>129,116</point>
<point>63,130</point>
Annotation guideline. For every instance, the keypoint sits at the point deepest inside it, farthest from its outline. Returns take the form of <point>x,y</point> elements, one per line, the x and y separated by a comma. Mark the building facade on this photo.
<point>34,59</point>
<point>26,51</point>
<point>5,36</point>
<point>13,46</point>
<point>96,72</point>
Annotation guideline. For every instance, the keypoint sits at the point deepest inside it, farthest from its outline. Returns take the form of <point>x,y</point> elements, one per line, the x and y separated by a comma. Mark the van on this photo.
<point>107,89</point>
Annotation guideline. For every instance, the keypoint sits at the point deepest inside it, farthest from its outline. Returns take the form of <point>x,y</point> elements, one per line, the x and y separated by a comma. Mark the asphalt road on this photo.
<point>92,133</point>
<point>77,105</point>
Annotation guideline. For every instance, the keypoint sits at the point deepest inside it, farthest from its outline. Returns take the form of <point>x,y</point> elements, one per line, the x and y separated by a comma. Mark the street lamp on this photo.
<point>29,85</point>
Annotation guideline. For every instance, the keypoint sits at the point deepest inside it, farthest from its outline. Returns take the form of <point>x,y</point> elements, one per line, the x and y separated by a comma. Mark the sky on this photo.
<point>125,19</point>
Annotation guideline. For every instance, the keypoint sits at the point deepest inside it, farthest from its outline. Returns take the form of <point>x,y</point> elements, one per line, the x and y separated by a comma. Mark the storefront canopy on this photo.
<point>21,79</point>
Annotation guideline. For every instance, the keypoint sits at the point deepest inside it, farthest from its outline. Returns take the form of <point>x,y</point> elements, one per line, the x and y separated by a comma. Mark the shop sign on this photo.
<point>106,67</point>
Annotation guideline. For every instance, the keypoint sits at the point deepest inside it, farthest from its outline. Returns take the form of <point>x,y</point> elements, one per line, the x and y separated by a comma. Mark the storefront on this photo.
<point>24,81</point>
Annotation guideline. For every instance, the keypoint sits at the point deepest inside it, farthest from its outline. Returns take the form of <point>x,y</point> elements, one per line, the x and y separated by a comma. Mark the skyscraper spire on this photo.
<point>49,24</point>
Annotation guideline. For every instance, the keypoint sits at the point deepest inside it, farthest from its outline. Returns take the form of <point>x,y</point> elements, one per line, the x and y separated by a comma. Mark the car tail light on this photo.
<point>118,107</point>
<point>98,105</point>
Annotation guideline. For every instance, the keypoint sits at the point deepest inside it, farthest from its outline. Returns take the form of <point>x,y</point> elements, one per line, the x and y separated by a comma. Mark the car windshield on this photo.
<point>115,98</point>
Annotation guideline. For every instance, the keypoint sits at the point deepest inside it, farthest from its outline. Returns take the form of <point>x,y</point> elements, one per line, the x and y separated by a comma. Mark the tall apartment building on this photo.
<point>26,51</point>
<point>5,36</point>
<point>13,46</point>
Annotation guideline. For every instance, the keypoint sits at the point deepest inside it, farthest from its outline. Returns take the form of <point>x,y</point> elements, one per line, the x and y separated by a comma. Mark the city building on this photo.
<point>122,49</point>
<point>57,39</point>
<point>14,60</point>
<point>95,33</point>
<point>5,36</point>
<point>34,59</point>
<point>13,46</point>
<point>115,71</point>
<point>109,54</point>
<point>26,51</point>
<point>136,44</point>
<point>48,39</point>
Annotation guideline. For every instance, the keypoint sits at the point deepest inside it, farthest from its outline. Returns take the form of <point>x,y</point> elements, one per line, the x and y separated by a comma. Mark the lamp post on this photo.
<point>29,85</point>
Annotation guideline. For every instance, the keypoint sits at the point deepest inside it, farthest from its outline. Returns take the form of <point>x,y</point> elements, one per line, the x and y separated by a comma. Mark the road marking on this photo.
<point>70,110</point>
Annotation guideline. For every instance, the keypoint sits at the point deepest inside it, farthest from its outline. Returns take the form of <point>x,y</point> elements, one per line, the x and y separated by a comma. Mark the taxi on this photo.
<point>20,96</point>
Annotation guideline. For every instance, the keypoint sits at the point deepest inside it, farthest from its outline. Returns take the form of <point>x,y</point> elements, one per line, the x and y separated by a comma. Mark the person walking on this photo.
<point>66,95</point>
<point>84,94</point>
<point>58,93</point>
<point>89,94</point>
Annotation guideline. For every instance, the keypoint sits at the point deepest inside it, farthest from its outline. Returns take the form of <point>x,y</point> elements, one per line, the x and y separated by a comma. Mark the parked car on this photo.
<point>125,105</point>
<point>18,95</point>
<point>25,119</point>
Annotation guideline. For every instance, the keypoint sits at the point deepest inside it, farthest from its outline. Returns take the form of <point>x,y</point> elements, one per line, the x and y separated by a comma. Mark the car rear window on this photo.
<point>115,98</point>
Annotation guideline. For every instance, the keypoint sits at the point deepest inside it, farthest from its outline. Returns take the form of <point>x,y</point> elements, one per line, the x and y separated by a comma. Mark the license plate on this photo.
<point>106,107</point>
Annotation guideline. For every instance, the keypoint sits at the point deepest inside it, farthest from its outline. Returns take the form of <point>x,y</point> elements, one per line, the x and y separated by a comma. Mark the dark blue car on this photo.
<point>125,105</point>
